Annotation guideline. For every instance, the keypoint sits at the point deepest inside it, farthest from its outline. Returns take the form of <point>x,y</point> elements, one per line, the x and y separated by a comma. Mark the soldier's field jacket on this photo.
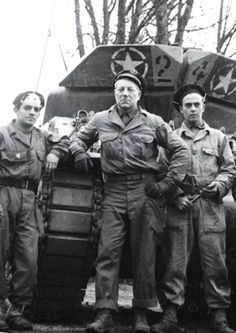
<point>21,158</point>
<point>211,157</point>
<point>132,148</point>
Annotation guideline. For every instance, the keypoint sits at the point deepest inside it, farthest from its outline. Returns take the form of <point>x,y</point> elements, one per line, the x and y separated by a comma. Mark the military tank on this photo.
<point>71,202</point>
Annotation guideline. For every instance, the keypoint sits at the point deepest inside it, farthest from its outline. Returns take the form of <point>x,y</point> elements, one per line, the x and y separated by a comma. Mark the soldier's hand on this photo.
<point>210,191</point>
<point>51,162</point>
<point>83,162</point>
<point>183,203</point>
<point>153,190</point>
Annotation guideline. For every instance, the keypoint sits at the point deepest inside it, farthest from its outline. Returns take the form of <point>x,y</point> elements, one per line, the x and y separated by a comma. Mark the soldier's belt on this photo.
<point>128,177</point>
<point>26,184</point>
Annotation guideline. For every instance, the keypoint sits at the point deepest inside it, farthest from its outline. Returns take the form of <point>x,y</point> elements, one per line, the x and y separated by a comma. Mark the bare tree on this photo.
<point>121,23</point>
<point>141,16</point>
<point>135,19</point>
<point>224,34</point>
<point>108,7</point>
<point>184,12</point>
<point>136,14</point>
<point>161,15</point>
<point>79,32</point>
<point>90,10</point>
<point>147,21</point>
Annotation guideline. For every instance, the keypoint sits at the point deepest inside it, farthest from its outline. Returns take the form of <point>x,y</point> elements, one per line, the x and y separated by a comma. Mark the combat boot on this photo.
<point>15,318</point>
<point>3,325</point>
<point>103,323</point>
<point>220,323</point>
<point>168,320</point>
<point>140,321</point>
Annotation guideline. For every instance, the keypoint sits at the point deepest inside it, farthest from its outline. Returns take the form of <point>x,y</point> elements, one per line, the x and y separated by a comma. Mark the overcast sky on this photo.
<point>24,28</point>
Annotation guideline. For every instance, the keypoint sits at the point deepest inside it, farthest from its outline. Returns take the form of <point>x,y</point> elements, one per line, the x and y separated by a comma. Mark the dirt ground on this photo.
<point>123,320</point>
<point>125,301</point>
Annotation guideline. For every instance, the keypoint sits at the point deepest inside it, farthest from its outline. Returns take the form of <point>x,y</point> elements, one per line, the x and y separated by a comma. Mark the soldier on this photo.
<point>129,138</point>
<point>24,150</point>
<point>198,215</point>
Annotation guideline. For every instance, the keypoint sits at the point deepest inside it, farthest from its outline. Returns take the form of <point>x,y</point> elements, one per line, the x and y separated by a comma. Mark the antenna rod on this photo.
<point>63,58</point>
<point>46,44</point>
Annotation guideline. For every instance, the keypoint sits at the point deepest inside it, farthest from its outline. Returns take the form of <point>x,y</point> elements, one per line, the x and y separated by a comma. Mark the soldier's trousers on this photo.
<point>126,207</point>
<point>204,224</point>
<point>19,245</point>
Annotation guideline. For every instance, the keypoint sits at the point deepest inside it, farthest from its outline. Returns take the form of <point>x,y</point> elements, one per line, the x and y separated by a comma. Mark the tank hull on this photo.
<point>72,203</point>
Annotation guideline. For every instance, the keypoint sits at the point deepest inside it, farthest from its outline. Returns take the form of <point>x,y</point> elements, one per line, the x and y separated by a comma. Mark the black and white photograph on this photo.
<point>117,166</point>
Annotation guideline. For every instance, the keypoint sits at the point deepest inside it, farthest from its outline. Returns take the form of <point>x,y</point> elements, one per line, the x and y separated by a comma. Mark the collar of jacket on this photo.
<point>114,108</point>
<point>136,121</point>
<point>12,128</point>
<point>184,128</point>
<point>12,131</point>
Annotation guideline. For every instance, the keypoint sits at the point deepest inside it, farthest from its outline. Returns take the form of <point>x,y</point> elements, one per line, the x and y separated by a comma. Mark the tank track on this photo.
<point>71,204</point>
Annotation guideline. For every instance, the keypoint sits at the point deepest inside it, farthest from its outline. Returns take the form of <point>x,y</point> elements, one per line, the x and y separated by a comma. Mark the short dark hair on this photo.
<point>19,99</point>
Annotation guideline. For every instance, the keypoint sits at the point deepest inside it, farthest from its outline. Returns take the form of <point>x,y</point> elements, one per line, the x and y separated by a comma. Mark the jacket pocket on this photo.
<point>142,146</point>
<point>16,156</point>
<point>210,151</point>
<point>209,160</point>
<point>109,145</point>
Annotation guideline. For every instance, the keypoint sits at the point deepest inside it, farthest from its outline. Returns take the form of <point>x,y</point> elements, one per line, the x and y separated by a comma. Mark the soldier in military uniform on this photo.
<point>24,151</point>
<point>197,215</point>
<point>129,138</point>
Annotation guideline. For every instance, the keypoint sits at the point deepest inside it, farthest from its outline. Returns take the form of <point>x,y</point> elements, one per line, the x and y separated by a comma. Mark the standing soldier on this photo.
<point>210,173</point>
<point>23,153</point>
<point>129,137</point>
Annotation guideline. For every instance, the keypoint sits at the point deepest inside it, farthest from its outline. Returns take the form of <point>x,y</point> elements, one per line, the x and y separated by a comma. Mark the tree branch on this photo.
<point>79,32</point>
<point>90,10</point>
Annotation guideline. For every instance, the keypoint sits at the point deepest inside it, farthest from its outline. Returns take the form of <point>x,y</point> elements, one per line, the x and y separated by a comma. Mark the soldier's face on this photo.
<point>192,107</point>
<point>29,110</point>
<point>127,94</point>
